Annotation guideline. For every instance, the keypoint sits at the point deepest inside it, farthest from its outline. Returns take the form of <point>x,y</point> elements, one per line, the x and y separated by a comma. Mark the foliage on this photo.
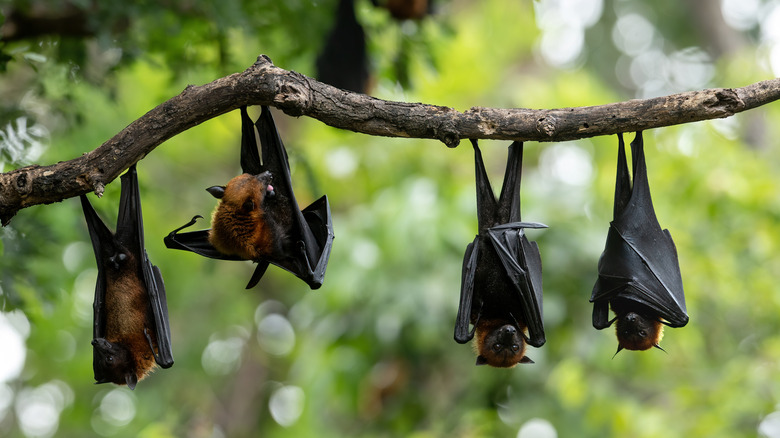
<point>371,353</point>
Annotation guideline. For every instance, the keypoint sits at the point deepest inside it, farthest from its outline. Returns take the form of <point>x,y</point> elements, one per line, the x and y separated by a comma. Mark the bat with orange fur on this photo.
<point>501,286</point>
<point>131,331</point>
<point>639,273</point>
<point>258,217</point>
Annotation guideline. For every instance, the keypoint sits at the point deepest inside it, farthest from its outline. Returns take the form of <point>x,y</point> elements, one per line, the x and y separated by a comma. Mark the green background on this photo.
<point>371,353</point>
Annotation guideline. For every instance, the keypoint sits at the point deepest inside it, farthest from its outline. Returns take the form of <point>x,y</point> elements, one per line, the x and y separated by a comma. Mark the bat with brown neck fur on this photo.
<point>501,285</point>
<point>131,331</point>
<point>639,273</point>
<point>258,217</point>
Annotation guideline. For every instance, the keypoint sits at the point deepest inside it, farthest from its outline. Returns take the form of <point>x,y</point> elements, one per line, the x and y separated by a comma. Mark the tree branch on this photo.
<point>297,95</point>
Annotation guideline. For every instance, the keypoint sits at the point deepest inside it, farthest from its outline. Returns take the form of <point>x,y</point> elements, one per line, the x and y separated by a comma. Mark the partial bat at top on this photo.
<point>258,217</point>
<point>131,330</point>
<point>639,274</point>
<point>501,286</point>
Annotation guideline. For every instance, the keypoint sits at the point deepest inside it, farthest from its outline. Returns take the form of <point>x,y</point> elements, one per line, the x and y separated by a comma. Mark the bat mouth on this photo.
<point>266,178</point>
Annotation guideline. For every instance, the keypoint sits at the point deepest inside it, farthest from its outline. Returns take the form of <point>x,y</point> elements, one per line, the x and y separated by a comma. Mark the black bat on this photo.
<point>501,286</point>
<point>343,61</point>
<point>258,217</point>
<point>639,274</point>
<point>131,330</point>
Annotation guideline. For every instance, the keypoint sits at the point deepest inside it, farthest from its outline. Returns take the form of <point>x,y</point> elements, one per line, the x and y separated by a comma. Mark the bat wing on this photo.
<point>195,241</point>
<point>312,228</point>
<point>130,232</point>
<point>462,332</point>
<point>487,206</point>
<point>523,264</point>
<point>104,245</point>
<point>640,259</point>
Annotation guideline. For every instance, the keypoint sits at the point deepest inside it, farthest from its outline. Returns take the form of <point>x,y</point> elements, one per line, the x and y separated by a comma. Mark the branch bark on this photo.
<point>265,84</point>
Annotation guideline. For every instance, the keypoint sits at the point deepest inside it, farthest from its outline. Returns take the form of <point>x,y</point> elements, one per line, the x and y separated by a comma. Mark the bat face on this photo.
<point>500,345</point>
<point>637,332</point>
<point>248,222</point>
<point>113,363</point>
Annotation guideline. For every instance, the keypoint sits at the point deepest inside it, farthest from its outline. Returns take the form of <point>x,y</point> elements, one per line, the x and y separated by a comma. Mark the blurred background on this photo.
<point>371,353</point>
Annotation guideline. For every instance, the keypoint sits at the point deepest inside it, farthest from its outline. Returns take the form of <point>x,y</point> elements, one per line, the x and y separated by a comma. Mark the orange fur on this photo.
<point>235,230</point>
<point>407,9</point>
<point>127,316</point>
<point>636,342</point>
<point>506,358</point>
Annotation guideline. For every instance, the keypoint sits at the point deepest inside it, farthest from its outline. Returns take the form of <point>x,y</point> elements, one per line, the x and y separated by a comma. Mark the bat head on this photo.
<point>245,223</point>
<point>245,188</point>
<point>638,332</point>
<point>500,344</point>
<point>113,362</point>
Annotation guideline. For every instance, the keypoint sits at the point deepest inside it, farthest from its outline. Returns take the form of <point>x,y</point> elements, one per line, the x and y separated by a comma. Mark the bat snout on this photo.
<point>507,334</point>
<point>266,178</point>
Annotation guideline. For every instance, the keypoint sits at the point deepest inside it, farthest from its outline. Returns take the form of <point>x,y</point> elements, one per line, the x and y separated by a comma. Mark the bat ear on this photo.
<point>131,380</point>
<point>481,360</point>
<point>526,359</point>
<point>216,191</point>
<point>659,347</point>
<point>620,347</point>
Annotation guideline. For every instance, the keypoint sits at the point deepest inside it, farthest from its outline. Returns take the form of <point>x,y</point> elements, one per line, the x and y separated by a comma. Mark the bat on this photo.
<point>343,61</point>
<point>130,331</point>
<point>501,285</point>
<point>258,218</point>
<point>639,274</point>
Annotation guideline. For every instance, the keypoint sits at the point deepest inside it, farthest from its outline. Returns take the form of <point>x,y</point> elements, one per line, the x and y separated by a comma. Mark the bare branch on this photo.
<point>297,95</point>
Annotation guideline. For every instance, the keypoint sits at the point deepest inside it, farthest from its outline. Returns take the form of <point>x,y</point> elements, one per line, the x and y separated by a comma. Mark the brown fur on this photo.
<point>235,230</point>
<point>506,358</point>
<point>635,342</point>
<point>128,316</point>
<point>407,9</point>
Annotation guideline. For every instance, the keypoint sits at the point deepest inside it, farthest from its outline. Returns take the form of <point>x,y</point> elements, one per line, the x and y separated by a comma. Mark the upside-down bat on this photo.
<point>501,285</point>
<point>258,217</point>
<point>639,274</point>
<point>130,331</point>
<point>343,61</point>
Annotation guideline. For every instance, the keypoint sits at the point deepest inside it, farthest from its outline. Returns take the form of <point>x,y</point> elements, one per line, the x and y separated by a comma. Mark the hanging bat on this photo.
<point>501,285</point>
<point>131,331</point>
<point>343,61</point>
<point>639,274</point>
<point>258,217</point>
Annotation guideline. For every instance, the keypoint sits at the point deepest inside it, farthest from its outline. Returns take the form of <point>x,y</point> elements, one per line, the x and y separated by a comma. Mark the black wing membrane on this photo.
<point>462,332</point>
<point>639,261</point>
<point>312,227</point>
<point>500,225</point>
<point>130,232</point>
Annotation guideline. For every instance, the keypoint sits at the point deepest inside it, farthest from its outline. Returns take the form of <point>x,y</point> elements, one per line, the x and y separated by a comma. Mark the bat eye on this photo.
<point>109,359</point>
<point>642,333</point>
<point>515,348</point>
<point>497,347</point>
<point>249,205</point>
